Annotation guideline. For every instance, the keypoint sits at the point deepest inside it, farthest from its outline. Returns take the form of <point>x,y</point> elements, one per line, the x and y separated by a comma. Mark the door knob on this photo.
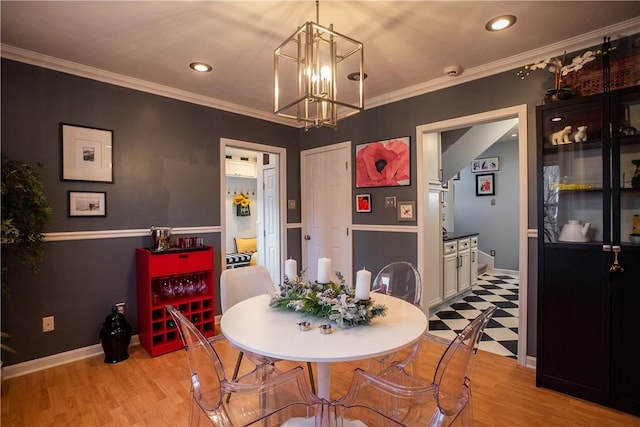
<point>307,237</point>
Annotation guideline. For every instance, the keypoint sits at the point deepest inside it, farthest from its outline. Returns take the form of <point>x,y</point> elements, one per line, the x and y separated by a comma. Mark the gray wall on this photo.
<point>166,172</point>
<point>498,223</point>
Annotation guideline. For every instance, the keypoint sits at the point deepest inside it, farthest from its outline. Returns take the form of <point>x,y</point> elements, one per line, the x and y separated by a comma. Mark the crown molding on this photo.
<point>593,38</point>
<point>587,40</point>
<point>64,66</point>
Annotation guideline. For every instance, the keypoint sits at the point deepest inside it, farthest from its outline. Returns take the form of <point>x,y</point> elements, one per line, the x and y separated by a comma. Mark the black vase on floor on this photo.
<point>115,337</point>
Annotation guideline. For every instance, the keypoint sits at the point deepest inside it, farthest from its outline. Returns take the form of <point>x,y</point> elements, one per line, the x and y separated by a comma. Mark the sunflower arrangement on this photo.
<point>333,301</point>
<point>242,200</point>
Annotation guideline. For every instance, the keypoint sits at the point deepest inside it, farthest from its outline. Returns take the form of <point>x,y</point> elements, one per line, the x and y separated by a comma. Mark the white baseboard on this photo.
<point>47,362</point>
<point>530,362</point>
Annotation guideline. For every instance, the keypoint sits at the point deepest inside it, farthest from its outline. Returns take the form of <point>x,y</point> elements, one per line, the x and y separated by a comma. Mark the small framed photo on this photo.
<point>87,154</point>
<point>406,211</point>
<point>485,165</point>
<point>485,184</point>
<point>87,203</point>
<point>363,203</point>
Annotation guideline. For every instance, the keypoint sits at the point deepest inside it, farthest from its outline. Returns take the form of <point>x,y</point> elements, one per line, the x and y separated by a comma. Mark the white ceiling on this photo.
<point>407,44</point>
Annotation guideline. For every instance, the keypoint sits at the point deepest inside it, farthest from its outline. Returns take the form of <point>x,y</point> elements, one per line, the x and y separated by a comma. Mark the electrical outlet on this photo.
<point>492,252</point>
<point>47,324</point>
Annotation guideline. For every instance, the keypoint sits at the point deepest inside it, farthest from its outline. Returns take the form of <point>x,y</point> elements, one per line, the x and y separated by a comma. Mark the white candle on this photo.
<point>363,284</point>
<point>290,270</point>
<point>324,270</point>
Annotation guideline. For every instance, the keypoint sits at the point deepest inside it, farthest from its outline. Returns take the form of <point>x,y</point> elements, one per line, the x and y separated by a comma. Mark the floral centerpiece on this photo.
<point>242,203</point>
<point>333,301</point>
<point>561,69</point>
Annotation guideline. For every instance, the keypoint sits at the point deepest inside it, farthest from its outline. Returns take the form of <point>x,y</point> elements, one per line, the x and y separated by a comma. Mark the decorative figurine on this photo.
<point>581,134</point>
<point>561,137</point>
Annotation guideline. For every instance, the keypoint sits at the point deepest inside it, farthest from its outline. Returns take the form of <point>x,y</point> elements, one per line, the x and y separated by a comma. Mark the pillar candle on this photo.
<point>324,270</point>
<point>363,284</point>
<point>290,270</point>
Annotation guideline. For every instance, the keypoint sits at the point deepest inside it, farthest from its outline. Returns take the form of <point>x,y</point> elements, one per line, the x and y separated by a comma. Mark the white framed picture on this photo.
<point>87,154</point>
<point>485,165</point>
<point>87,203</point>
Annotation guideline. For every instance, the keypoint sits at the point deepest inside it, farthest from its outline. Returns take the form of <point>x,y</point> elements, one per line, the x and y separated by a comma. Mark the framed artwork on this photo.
<point>485,184</point>
<point>406,211</point>
<point>485,165</point>
<point>383,163</point>
<point>87,154</point>
<point>363,203</point>
<point>87,203</point>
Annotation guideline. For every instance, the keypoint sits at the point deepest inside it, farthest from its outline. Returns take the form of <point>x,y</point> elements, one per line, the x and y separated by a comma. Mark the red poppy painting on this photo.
<point>383,163</point>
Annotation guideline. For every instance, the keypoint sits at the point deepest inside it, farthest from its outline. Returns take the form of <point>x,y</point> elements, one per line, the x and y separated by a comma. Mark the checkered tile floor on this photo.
<point>501,333</point>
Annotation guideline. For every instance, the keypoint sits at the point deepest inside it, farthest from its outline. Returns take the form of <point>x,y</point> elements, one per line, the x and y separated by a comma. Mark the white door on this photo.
<point>271,230</point>
<point>326,209</point>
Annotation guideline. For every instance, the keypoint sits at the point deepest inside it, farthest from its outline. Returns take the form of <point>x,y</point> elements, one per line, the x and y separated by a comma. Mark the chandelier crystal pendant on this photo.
<point>319,77</point>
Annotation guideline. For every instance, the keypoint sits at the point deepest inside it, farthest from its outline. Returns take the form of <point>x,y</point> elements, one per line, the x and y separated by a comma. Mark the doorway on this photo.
<point>265,185</point>
<point>430,199</point>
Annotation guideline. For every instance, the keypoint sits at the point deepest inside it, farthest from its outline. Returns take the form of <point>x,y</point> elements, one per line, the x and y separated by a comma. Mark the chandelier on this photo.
<point>319,77</point>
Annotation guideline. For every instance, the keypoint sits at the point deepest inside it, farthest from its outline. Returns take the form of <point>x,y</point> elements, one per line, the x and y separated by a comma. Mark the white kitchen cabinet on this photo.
<point>473,263</point>
<point>433,159</point>
<point>450,269</point>
<point>464,267</point>
<point>459,267</point>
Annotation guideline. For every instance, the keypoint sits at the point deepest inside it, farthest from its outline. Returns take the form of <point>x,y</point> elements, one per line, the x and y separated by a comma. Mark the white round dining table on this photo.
<point>252,325</point>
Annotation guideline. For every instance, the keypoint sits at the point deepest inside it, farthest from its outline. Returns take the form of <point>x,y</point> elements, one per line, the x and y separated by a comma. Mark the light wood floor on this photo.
<point>146,391</point>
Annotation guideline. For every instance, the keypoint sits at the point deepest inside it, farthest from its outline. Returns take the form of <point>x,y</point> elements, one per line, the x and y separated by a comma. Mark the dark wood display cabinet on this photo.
<point>183,278</point>
<point>589,269</point>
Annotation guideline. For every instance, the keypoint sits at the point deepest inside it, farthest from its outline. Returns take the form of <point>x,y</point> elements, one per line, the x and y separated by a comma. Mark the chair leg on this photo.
<point>237,368</point>
<point>194,413</point>
<point>467,413</point>
<point>235,371</point>
<point>313,384</point>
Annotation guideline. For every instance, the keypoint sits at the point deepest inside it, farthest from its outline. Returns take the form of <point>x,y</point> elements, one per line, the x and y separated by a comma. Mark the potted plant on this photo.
<point>25,211</point>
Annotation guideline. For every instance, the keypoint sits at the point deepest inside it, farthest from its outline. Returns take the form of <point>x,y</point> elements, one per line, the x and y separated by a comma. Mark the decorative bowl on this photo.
<point>635,238</point>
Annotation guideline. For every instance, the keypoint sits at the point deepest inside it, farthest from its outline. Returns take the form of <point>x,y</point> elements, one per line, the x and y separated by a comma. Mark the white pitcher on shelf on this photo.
<point>575,231</point>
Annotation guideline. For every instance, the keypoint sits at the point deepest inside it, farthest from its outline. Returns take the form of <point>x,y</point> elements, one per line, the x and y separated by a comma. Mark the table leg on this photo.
<point>324,379</point>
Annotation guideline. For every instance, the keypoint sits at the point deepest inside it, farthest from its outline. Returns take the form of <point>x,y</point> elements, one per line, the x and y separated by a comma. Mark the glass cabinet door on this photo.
<point>573,144</point>
<point>626,198</point>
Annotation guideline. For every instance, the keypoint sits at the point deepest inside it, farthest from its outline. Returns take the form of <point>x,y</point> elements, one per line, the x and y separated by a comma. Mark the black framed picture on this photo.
<point>485,184</point>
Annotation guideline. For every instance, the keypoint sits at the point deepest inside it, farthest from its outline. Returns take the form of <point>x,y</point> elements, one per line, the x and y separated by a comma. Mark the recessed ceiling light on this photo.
<point>200,67</point>
<point>356,76</point>
<point>500,23</point>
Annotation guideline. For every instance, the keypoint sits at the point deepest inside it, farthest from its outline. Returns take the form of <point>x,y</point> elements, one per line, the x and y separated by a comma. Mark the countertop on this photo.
<point>457,235</point>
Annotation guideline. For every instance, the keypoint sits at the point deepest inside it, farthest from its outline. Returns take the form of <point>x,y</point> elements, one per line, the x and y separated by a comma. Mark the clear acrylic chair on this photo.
<point>402,280</point>
<point>394,397</point>
<point>264,396</point>
<point>238,284</point>
<point>399,279</point>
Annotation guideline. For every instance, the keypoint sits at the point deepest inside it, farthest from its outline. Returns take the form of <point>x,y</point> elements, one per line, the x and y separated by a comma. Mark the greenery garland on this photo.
<point>332,301</point>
